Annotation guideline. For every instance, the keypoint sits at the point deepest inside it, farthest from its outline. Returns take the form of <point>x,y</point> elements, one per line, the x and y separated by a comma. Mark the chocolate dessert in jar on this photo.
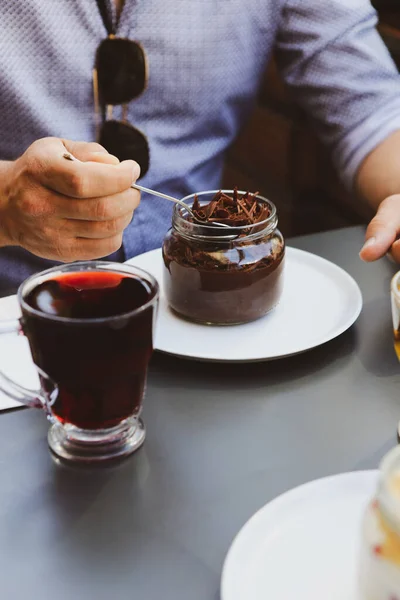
<point>224,275</point>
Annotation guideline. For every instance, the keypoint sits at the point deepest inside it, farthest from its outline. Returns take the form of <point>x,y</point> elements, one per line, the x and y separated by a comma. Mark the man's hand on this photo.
<point>378,181</point>
<point>64,210</point>
<point>382,232</point>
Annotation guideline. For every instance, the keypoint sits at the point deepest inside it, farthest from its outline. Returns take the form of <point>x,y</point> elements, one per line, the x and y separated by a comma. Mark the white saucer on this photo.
<point>320,301</point>
<point>304,545</point>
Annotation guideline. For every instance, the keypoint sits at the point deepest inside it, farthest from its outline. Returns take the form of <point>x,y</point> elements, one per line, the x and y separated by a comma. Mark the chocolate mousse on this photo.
<point>221,275</point>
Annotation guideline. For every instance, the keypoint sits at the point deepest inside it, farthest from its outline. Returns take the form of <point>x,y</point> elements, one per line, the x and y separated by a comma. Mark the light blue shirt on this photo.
<point>206,60</point>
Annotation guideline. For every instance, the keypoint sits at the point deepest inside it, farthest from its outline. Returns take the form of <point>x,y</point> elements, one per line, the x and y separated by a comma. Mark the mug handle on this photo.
<point>31,398</point>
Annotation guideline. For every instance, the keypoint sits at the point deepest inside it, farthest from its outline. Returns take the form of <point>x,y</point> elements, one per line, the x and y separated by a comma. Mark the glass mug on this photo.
<point>90,330</point>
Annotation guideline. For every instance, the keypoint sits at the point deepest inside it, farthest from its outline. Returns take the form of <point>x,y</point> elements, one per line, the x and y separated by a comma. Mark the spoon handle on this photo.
<point>141,188</point>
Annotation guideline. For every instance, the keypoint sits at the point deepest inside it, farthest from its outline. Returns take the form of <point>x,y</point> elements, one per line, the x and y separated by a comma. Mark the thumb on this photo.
<point>382,231</point>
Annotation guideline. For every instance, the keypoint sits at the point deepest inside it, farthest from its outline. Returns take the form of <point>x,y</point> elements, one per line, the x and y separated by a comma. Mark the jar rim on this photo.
<point>200,230</point>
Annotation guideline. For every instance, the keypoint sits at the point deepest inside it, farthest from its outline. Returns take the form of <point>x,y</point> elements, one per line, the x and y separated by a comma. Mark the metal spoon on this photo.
<point>140,188</point>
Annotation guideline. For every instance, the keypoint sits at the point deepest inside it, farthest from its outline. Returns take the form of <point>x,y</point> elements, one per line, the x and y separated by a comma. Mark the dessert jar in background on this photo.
<point>395,301</point>
<point>380,545</point>
<point>223,276</point>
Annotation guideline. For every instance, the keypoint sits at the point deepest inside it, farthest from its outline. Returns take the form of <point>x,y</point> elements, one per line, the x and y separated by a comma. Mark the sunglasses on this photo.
<point>120,76</point>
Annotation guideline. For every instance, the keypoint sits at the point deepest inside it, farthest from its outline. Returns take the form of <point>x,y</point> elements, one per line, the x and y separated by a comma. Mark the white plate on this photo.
<point>319,302</point>
<point>303,545</point>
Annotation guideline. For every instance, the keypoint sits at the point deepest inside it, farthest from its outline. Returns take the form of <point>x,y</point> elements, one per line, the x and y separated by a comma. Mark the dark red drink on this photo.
<point>95,346</point>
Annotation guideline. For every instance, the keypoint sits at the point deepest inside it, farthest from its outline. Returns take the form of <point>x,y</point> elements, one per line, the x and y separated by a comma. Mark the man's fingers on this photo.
<point>50,204</point>
<point>90,151</point>
<point>378,242</point>
<point>102,157</point>
<point>97,209</point>
<point>74,249</point>
<point>78,179</point>
<point>83,150</point>
<point>382,230</point>
<point>71,248</point>
<point>86,249</point>
<point>95,230</point>
<point>91,179</point>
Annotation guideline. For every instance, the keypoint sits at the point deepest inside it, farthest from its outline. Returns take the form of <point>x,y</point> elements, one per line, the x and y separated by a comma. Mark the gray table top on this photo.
<point>222,441</point>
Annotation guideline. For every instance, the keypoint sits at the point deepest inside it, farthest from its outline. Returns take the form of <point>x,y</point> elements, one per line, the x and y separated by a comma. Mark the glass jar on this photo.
<point>380,551</point>
<point>223,276</point>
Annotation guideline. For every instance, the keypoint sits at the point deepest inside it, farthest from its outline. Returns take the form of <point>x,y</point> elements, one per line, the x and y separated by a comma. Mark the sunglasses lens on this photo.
<point>125,142</point>
<point>121,70</point>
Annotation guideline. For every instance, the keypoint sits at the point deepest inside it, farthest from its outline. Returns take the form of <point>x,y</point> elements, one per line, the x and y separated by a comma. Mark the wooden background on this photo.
<point>277,154</point>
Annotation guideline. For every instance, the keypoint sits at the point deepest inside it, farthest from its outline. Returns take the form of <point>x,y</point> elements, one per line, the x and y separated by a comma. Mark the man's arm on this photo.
<point>341,73</point>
